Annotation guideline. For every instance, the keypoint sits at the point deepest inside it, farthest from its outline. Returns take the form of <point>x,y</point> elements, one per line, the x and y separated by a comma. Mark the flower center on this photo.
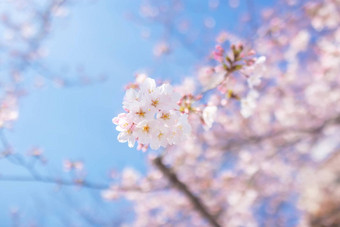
<point>141,113</point>
<point>155,102</point>
<point>146,128</point>
<point>165,116</point>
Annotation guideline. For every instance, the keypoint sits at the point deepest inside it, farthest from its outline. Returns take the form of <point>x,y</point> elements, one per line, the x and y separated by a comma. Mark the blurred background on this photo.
<point>67,63</point>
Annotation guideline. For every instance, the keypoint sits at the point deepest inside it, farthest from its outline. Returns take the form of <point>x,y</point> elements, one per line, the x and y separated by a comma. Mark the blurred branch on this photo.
<point>255,139</point>
<point>195,201</point>
<point>327,220</point>
<point>51,180</point>
<point>17,159</point>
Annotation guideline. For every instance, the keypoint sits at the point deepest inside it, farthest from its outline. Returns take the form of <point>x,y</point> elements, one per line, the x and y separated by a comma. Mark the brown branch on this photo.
<point>329,219</point>
<point>195,201</point>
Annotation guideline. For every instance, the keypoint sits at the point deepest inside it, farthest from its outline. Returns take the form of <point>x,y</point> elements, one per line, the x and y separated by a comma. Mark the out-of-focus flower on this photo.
<point>148,11</point>
<point>255,71</point>
<point>28,31</point>
<point>110,194</point>
<point>218,53</point>
<point>209,115</point>
<point>222,37</point>
<point>73,165</point>
<point>129,178</point>
<point>210,78</point>
<point>300,41</point>
<point>8,110</point>
<point>187,87</point>
<point>36,152</point>
<point>234,3</point>
<point>61,11</point>
<point>324,15</point>
<point>214,4</point>
<point>161,49</point>
<point>248,104</point>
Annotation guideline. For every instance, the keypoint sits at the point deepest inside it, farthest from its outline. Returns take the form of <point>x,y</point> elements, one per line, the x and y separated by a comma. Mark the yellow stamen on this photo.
<point>165,116</point>
<point>141,113</point>
<point>146,129</point>
<point>155,102</point>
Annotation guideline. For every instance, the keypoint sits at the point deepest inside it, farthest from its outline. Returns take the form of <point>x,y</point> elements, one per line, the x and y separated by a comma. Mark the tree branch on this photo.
<point>195,201</point>
<point>329,219</point>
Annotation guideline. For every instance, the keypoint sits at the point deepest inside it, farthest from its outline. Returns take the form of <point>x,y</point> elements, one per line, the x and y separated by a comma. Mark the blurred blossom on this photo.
<point>148,11</point>
<point>110,194</point>
<point>222,37</point>
<point>145,33</point>
<point>188,86</point>
<point>36,152</point>
<point>326,146</point>
<point>28,31</point>
<point>183,26</point>
<point>161,48</point>
<point>292,2</point>
<point>8,110</point>
<point>214,3</point>
<point>248,104</point>
<point>255,72</point>
<point>209,115</point>
<point>209,78</point>
<point>61,11</point>
<point>234,3</point>
<point>73,165</point>
<point>324,14</point>
<point>209,22</point>
<point>130,178</point>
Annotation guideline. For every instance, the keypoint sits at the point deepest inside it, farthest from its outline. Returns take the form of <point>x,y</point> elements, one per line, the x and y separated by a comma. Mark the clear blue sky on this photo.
<point>75,123</point>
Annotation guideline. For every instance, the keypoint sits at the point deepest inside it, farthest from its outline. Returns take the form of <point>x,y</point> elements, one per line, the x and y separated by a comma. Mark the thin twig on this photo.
<point>51,180</point>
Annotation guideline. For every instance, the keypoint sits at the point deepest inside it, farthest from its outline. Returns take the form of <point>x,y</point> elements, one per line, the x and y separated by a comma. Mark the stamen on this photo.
<point>165,116</point>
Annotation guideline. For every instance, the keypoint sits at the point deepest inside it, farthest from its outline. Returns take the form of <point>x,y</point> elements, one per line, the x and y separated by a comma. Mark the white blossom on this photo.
<point>152,117</point>
<point>248,104</point>
<point>209,115</point>
<point>255,72</point>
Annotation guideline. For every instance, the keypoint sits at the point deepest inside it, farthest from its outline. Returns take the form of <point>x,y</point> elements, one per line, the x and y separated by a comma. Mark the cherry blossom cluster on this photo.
<point>152,117</point>
<point>228,78</point>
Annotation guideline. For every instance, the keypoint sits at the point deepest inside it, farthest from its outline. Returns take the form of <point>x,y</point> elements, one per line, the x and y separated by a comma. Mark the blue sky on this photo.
<point>75,123</point>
